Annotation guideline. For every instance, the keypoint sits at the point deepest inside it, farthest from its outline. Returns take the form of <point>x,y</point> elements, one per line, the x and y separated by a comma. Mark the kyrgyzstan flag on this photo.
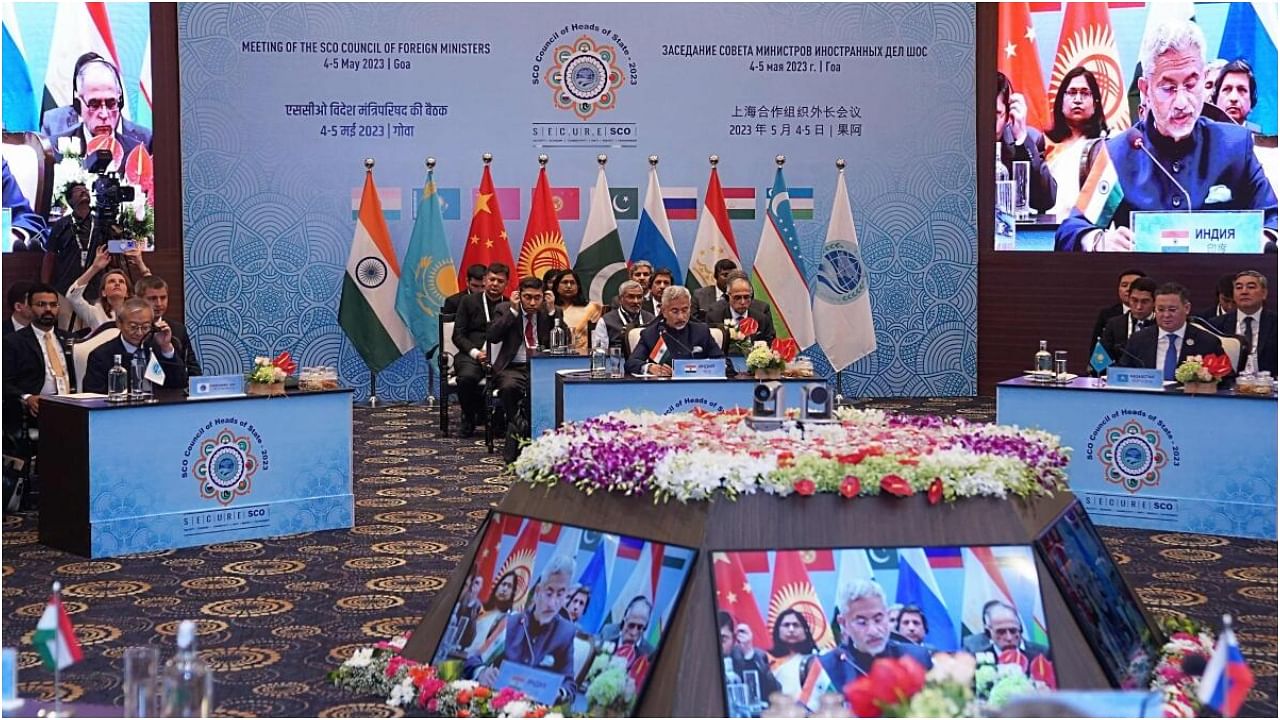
<point>487,240</point>
<point>793,590</point>
<point>1019,59</point>
<point>1087,40</point>
<point>543,247</point>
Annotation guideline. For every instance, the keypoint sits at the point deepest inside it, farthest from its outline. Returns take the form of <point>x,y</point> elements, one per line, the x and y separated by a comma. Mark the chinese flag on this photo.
<point>486,560</point>
<point>792,590</point>
<point>487,239</point>
<point>543,247</point>
<point>733,595</point>
<point>1087,39</point>
<point>1019,60</point>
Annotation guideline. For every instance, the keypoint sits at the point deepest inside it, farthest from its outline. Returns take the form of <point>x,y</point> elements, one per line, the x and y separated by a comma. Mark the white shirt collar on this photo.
<point>1181,332</point>
<point>1257,316</point>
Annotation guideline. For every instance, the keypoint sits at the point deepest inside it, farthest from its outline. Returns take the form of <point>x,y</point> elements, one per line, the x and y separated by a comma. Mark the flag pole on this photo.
<point>1226,676</point>
<point>57,656</point>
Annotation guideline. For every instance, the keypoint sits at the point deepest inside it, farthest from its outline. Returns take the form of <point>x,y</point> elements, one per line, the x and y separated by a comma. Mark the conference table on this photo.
<point>117,479</point>
<point>579,396</point>
<point>1158,459</point>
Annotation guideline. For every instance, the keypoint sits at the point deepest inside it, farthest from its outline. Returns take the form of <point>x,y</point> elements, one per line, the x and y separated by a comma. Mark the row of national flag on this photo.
<point>389,304</point>
<point>1087,37</point>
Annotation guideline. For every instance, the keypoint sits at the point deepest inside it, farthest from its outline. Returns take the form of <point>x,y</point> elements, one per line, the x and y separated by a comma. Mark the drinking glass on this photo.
<point>616,363</point>
<point>141,682</point>
<point>1060,362</point>
<point>1022,189</point>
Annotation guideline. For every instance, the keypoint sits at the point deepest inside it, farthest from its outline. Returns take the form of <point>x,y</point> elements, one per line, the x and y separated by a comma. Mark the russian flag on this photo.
<point>1227,679</point>
<point>630,548</point>
<point>944,558</point>
<point>681,203</point>
<point>917,586</point>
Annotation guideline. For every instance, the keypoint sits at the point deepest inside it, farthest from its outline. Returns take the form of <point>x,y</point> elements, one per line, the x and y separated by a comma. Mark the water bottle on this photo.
<point>117,382</point>
<point>188,682</point>
<point>557,337</point>
<point>1044,361</point>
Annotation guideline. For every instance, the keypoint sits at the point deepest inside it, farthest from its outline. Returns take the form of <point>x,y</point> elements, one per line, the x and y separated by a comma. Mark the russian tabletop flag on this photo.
<point>1227,679</point>
<point>55,638</point>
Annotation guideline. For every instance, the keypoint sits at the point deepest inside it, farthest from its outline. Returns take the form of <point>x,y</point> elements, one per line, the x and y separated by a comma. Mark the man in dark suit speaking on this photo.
<point>864,626</point>
<point>141,336</point>
<point>1172,339</point>
<point>672,336</point>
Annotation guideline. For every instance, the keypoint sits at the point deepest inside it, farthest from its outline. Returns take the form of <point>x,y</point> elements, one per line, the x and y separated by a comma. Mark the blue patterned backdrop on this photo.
<point>267,195</point>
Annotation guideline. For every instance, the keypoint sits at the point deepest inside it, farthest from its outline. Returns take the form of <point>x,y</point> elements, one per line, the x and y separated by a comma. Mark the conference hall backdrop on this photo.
<point>268,194</point>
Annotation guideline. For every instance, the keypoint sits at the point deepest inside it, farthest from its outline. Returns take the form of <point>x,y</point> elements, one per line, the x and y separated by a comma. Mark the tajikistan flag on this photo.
<point>55,638</point>
<point>600,262</point>
<point>714,240</point>
<point>1101,193</point>
<point>367,311</point>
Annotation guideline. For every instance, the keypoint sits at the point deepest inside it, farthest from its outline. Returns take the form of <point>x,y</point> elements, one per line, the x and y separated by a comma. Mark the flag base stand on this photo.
<point>688,670</point>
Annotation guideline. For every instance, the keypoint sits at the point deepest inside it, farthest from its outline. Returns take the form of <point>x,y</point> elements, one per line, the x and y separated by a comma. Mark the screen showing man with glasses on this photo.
<point>100,101</point>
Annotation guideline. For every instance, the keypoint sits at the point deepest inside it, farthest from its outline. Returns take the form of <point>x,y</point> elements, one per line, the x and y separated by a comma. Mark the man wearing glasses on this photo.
<point>141,337</point>
<point>864,626</point>
<point>1174,159</point>
<point>101,102</point>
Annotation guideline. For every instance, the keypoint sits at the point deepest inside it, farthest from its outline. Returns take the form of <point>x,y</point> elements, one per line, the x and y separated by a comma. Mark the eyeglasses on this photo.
<point>1169,91</point>
<point>863,623</point>
<point>1082,93</point>
<point>108,103</point>
<point>634,626</point>
<point>137,327</point>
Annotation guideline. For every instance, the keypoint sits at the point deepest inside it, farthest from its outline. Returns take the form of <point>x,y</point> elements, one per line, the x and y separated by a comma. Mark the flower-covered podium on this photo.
<point>809,508</point>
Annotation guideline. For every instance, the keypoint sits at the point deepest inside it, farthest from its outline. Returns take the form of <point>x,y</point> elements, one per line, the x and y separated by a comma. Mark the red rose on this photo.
<point>851,486</point>
<point>935,491</point>
<point>858,693</point>
<point>914,673</point>
<point>896,485</point>
<point>805,486</point>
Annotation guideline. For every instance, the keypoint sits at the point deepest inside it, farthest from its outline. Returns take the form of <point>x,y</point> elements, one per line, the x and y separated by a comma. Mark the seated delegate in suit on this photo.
<point>521,329</point>
<point>140,336</point>
<point>1252,321</point>
<point>16,300</point>
<point>738,308</point>
<point>704,297</point>
<point>671,336</point>
<point>101,102</point>
<point>1214,162</point>
<point>1105,314</point>
<point>474,286</point>
<point>1020,142</point>
<point>538,636</point>
<point>864,627</point>
<point>628,636</point>
<point>662,279</point>
<point>1003,635</point>
<point>1141,305</point>
<point>28,229</point>
<point>1168,343</point>
<point>36,362</point>
<point>629,313</point>
<point>470,328</point>
<point>155,291</point>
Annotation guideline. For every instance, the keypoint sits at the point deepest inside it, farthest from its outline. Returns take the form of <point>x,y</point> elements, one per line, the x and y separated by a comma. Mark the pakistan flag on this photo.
<point>601,264</point>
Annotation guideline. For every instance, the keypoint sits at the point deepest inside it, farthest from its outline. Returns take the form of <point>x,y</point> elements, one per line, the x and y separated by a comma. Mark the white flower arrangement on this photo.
<point>762,357</point>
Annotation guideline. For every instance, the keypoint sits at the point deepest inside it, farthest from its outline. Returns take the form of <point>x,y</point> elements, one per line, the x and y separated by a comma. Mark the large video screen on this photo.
<point>809,622</point>
<point>1100,149</point>
<point>1107,612</point>
<point>77,81</point>
<point>565,614</point>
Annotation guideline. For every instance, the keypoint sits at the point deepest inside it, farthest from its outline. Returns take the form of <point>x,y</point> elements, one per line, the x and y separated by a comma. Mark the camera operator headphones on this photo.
<point>85,61</point>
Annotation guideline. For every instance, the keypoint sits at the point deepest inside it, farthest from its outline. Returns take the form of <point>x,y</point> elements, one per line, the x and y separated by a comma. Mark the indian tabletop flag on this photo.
<point>55,638</point>
<point>600,263</point>
<point>367,311</point>
<point>842,298</point>
<point>779,269</point>
<point>1101,193</point>
<point>714,240</point>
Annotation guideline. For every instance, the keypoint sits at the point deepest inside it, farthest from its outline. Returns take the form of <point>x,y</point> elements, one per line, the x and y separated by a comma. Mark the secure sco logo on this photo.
<point>1132,456</point>
<point>224,466</point>
<point>584,76</point>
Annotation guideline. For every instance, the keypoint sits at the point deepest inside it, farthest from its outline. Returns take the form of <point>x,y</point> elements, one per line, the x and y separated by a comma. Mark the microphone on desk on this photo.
<point>673,340</point>
<point>1137,143</point>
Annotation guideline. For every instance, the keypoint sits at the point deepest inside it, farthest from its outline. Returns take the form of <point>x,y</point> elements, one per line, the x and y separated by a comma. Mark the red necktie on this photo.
<point>529,340</point>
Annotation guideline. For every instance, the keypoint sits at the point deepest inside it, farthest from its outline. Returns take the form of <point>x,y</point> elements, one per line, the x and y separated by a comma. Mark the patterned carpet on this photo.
<point>275,615</point>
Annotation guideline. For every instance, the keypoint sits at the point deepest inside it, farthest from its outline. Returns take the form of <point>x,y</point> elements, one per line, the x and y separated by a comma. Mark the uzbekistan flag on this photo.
<point>55,638</point>
<point>779,270</point>
<point>1227,679</point>
<point>1101,194</point>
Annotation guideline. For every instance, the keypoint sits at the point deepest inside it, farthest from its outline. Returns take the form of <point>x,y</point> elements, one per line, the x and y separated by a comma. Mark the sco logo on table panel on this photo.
<point>1132,455</point>
<point>223,460</point>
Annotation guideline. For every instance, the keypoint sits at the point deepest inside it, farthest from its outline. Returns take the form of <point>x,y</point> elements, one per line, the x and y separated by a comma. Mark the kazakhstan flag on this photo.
<point>1100,360</point>
<point>427,275</point>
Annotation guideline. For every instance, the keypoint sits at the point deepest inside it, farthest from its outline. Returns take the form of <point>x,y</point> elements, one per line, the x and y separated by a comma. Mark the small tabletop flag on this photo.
<point>1100,359</point>
<point>55,638</point>
<point>1227,679</point>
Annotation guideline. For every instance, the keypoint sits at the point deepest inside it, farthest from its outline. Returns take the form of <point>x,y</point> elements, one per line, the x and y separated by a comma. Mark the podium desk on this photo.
<point>580,397</point>
<point>542,386</point>
<point>1159,460</point>
<point>128,478</point>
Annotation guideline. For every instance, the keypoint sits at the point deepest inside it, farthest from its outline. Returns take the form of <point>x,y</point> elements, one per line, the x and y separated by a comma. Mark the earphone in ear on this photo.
<point>75,80</point>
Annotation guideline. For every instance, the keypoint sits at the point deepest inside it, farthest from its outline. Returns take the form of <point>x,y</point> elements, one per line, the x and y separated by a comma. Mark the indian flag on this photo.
<point>367,311</point>
<point>55,638</point>
<point>659,353</point>
<point>1101,194</point>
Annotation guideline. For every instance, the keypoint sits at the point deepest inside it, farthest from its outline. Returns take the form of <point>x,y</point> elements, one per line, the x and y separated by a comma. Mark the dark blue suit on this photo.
<point>844,664</point>
<point>1142,346</point>
<point>692,340</point>
<point>23,216</point>
<point>547,648</point>
<point>1214,154</point>
<point>1266,337</point>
